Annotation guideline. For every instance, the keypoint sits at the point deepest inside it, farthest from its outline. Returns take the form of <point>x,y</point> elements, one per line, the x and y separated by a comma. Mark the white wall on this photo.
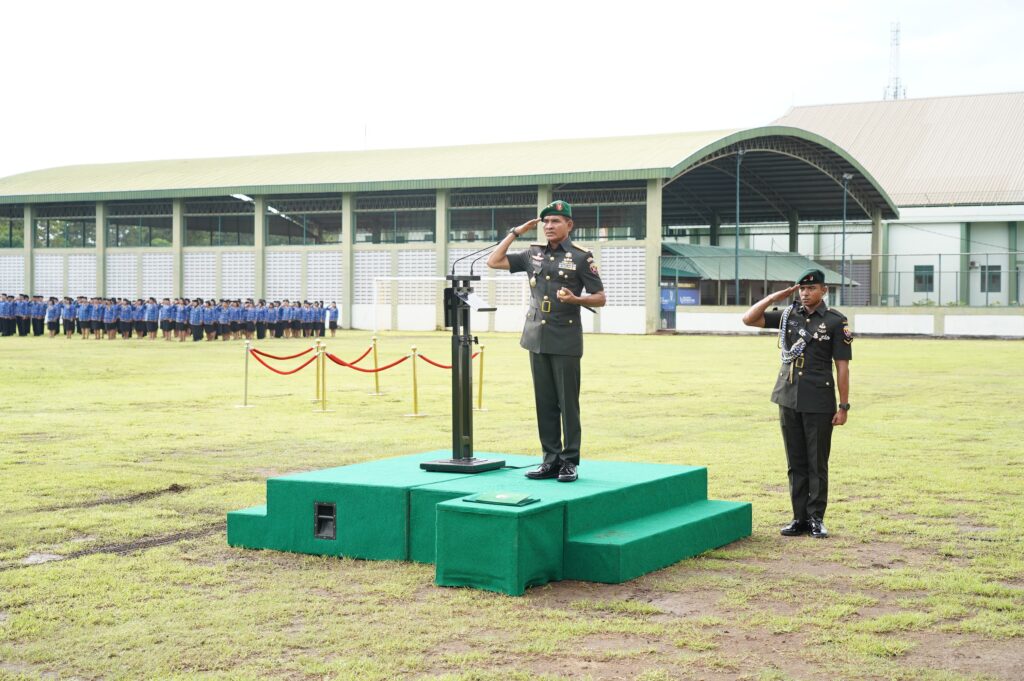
<point>987,239</point>
<point>921,244</point>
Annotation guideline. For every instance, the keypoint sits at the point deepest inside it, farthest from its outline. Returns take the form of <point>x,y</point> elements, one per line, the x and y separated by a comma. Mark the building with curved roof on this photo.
<point>370,229</point>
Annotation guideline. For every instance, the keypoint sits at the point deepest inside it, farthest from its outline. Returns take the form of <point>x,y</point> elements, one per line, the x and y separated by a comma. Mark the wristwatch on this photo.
<point>515,235</point>
<point>845,406</point>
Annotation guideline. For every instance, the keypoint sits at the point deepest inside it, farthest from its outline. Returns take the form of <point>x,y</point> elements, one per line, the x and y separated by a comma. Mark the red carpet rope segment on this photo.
<point>352,365</point>
<point>438,364</point>
<point>302,366</point>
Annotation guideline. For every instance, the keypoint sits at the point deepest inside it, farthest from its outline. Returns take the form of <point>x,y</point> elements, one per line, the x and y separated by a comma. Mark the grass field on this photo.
<point>122,459</point>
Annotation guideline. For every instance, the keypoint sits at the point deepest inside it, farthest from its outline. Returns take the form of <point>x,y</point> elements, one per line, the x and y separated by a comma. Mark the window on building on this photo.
<point>485,215</point>
<point>65,226</point>
<point>138,224</point>
<point>394,217</point>
<point>312,221</point>
<point>12,226</point>
<point>991,278</point>
<point>924,278</point>
<point>220,222</point>
<point>607,213</point>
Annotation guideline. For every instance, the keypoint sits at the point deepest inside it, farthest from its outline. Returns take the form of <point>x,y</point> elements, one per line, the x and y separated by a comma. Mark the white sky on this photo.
<point>104,81</point>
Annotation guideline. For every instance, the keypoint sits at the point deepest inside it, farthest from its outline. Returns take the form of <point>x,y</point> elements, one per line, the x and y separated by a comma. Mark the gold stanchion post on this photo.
<point>415,387</point>
<point>319,358</point>
<point>245,384</point>
<point>321,368</point>
<point>480,384</point>
<point>376,374</point>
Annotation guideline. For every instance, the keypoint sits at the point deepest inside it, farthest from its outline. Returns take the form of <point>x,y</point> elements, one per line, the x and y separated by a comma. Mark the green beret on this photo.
<point>811,276</point>
<point>557,208</point>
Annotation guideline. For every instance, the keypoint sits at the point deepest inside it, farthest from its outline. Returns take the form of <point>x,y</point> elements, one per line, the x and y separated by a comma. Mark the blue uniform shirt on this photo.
<point>150,312</point>
<point>110,313</point>
<point>195,316</point>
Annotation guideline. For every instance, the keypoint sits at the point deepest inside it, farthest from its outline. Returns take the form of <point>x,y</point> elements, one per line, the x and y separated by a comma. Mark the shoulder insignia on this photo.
<point>837,313</point>
<point>580,248</point>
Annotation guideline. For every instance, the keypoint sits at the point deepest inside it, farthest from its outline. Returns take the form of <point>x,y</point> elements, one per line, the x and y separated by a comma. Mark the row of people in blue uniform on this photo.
<point>174,319</point>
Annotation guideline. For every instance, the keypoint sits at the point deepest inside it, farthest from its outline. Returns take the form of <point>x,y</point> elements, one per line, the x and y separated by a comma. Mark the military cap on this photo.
<point>811,276</point>
<point>557,208</point>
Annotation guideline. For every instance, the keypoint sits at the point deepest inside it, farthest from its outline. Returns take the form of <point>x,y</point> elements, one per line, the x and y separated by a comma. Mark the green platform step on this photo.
<point>623,551</point>
<point>617,522</point>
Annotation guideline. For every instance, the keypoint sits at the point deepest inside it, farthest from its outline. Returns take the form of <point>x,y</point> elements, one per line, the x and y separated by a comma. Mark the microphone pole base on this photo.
<point>472,465</point>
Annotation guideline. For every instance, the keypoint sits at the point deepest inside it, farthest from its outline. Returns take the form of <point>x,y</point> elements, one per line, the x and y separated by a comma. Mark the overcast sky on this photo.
<point>98,81</point>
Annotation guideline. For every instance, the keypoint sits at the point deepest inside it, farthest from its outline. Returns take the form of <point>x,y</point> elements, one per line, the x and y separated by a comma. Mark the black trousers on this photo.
<point>37,326</point>
<point>261,330</point>
<point>197,332</point>
<point>808,440</point>
<point>556,391</point>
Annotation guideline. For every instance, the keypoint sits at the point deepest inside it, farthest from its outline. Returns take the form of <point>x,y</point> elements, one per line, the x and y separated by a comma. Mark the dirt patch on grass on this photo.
<point>173,488</point>
<point>967,655</point>
<point>120,548</point>
<point>149,542</point>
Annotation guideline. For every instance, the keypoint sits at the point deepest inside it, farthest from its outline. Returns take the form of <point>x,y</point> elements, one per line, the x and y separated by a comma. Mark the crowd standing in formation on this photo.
<point>175,319</point>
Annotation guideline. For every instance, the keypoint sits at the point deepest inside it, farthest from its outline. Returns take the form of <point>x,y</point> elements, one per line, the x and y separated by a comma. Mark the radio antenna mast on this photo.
<point>895,89</point>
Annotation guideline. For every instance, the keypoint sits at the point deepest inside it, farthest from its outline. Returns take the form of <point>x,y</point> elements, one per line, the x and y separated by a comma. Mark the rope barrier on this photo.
<point>442,366</point>
<point>284,373</point>
<point>267,354</point>
<point>361,357</point>
<point>343,363</point>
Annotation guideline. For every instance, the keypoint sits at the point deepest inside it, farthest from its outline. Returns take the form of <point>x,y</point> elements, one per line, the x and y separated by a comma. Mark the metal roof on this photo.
<point>541,162</point>
<point>940,151</point>
<point>805,162</point>
<point>719,263</point>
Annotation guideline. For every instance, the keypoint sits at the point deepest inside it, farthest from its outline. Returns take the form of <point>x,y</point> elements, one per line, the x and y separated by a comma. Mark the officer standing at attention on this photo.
<point>812,336</point>
<point>559,271</point>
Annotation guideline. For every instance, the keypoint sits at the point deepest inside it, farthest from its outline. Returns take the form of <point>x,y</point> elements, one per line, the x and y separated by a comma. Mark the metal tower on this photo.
<point>895,88</point>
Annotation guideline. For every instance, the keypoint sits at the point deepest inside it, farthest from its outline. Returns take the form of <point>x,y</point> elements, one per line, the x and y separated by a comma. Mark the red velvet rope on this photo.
<point>442,366</point>
<point>283,373</point>
<point>366,371</point>
<point>361,357</point>
<point>265,354</point>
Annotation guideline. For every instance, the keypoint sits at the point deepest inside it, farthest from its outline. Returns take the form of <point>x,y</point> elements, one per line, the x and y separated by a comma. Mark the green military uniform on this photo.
<point>805,393</point>
<point>554,336</point>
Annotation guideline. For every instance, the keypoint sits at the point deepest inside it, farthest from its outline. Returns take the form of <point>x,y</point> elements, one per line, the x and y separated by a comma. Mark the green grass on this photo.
<point>109,443</point>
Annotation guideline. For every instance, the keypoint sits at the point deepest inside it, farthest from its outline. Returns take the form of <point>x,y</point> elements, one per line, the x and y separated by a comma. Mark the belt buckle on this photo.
<point>545,306</point>
<point>800,362</point>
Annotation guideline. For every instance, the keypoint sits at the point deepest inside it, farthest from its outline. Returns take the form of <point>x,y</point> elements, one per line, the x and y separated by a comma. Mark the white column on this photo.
<point>440,251</point>
<point>348,229</point>
<point>101,249</point>
<point>29,243</point>
<point>652,256</point>
<point>177,247</point>
<point>260,243</point>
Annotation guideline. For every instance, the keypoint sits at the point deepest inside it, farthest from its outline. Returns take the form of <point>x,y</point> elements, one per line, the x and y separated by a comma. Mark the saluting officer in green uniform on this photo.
<point>812,336</point>
<point>558,271</point>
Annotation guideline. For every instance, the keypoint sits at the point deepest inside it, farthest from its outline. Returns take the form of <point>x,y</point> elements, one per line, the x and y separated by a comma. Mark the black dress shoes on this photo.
<point>544,471</point>
<point>568,473</point>
<point>795,528</point>
<point>818,530</point>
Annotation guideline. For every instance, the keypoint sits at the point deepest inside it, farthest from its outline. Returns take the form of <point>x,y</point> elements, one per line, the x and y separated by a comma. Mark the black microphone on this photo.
<point>476,252</point>
<point>479,258</point>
